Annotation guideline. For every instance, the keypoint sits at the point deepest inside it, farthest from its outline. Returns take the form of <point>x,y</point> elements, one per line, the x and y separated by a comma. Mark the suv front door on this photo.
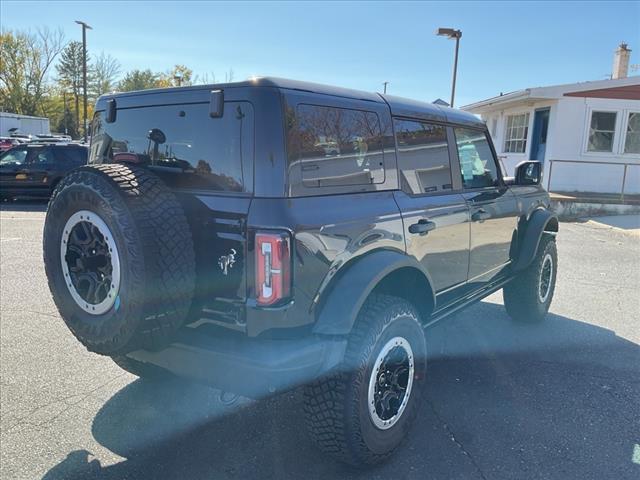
<point>492,206</point>
<point>435,214</point>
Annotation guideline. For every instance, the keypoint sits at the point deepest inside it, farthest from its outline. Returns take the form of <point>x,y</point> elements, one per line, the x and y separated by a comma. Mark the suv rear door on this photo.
<point>493,207</point>
<point>434,211</point>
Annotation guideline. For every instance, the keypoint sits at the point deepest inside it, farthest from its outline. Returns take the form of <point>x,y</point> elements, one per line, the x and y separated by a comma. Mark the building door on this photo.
<point>539,137</point>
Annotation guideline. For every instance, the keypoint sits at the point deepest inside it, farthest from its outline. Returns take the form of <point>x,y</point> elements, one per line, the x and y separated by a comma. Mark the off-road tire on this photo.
<point>336,407</point>
<point>156,255</point>
<point>521,295</point>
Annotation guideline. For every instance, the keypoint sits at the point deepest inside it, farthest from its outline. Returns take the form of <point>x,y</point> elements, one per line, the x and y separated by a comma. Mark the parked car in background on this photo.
<point>34,169</point>
<point>7,143</point>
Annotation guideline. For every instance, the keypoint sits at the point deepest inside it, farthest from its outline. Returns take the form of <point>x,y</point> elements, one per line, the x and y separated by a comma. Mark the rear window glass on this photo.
<point>183,143</point>
<point>330,146</point>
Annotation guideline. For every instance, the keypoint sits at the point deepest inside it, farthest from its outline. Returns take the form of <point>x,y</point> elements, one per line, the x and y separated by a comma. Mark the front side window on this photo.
<point>632,137</point>
<point>423,157</point>
<point>601,131</point>
<point>516,132</point>
<point>477,164</point>
<point>182,143</point>
<point>330,146</point>
<point>16,156</point>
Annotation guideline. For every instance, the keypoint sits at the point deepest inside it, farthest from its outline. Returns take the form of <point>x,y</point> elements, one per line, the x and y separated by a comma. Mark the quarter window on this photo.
<point>632,137</point>
<point>423,157</point>
<point>516,133</point>
<point>330,146</point>
<point>602,131</point>
<point>477,164</point>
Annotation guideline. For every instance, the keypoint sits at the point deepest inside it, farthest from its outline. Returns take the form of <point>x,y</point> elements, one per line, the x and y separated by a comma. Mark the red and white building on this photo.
<point>587,135</point>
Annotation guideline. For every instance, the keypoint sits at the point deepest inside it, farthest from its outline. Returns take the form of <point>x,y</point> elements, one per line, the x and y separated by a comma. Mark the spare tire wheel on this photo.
<point>119,258</point>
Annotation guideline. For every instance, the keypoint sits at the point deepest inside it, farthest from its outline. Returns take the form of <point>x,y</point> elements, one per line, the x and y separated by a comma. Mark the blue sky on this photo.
<point>505,46</point>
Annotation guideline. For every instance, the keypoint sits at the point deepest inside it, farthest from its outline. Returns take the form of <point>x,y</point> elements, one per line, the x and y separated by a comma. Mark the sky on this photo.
<point>504,47</point>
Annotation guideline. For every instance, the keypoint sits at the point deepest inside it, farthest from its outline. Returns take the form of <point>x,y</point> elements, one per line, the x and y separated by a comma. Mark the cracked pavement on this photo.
<point>504,401</point>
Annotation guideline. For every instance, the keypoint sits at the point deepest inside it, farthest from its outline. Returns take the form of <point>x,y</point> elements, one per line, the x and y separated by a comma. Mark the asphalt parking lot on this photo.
<point>554,401</point>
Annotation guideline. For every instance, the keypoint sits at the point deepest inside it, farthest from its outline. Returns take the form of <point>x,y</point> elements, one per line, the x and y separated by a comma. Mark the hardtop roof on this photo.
<point>399,106</point>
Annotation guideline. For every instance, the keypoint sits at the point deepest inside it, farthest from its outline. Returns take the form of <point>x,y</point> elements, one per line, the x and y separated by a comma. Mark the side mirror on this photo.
<point>528,173</point>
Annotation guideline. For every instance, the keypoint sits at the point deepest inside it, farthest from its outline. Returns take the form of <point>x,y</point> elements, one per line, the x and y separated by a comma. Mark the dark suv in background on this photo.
<point>34,169</point>
<point>269,234</point>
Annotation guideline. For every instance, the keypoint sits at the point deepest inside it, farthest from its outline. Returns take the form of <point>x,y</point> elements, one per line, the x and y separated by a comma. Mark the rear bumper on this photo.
<point>251,367</point>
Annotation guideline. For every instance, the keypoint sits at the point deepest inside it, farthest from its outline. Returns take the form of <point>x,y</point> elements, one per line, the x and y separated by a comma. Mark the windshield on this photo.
<point>17,156</point>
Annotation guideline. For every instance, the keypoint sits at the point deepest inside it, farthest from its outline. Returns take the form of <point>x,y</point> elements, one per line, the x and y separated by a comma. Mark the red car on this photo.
<point>7,142</point>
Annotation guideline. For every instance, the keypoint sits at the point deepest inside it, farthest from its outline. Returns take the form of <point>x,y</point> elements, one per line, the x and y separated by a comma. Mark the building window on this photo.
<point>516,133</point>
<point>632,138</point>
<point>602,131</point>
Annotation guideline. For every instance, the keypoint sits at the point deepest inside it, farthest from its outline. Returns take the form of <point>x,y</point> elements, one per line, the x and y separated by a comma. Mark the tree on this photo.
<point>25,61</point>
<point>70,73</point>
<point>139,80</point>
<point>178,76</point>
<point>104,73</point>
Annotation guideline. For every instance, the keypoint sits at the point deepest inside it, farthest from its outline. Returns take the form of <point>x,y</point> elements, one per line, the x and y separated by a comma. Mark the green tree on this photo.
<point>25,61</point>
<point>139,80</point>
<point>104,73</point>
<point>69,70</point>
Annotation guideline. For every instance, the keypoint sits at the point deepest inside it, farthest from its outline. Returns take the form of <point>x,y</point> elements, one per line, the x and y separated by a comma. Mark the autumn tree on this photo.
<point>25,61</point>
<point>104,74</point>
<point>138,80</point>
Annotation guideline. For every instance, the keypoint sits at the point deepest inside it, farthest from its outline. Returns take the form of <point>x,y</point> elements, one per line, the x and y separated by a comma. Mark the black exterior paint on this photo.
<point>345,239</point>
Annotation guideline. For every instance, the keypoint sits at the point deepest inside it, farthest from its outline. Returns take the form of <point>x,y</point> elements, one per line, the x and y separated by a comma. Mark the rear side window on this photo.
<point>330,146</point>
<point>183,143</point>
<point>477,164</point>
<point>423,157</point>
<point>77,156</point>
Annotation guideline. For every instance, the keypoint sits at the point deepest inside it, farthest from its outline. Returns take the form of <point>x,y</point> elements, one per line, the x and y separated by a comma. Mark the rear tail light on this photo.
<point>273,267</point>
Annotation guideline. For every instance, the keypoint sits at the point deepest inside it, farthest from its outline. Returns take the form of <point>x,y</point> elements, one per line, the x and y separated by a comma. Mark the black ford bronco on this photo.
<point>271,234</point>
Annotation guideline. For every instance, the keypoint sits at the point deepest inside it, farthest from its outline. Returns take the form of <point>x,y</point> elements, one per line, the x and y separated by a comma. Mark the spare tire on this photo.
<point>119,258</point>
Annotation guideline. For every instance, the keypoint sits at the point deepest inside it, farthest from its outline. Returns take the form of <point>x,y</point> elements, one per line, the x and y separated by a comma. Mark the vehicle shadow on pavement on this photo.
<point>556,400</point>
<point>39,205</point>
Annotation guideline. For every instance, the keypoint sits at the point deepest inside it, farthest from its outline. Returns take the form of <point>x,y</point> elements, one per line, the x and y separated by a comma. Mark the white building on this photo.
<point>587,135</point>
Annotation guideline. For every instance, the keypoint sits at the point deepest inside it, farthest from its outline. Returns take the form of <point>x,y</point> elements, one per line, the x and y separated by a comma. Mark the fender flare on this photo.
<point>539,222</point>
<point>351,289</point>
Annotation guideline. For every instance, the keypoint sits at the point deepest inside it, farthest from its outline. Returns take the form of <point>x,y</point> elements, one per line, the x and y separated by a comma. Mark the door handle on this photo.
<point>423,227</point>
<point>481,215</point>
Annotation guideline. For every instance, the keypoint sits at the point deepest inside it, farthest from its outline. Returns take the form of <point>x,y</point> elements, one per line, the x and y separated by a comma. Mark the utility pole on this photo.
<point>85,26</point>
<point>385,87</point>
<point>456,34</point>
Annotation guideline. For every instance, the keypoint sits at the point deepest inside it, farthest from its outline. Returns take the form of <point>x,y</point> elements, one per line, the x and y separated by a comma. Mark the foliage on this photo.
<point>25,61</point>
<point>104,75</point>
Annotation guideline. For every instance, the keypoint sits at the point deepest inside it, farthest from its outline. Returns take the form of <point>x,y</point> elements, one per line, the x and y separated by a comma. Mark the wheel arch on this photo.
<point>384,272</point>
<point>540,221</point>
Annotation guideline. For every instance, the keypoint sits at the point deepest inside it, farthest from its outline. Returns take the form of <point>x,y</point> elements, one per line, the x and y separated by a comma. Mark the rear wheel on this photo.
<point>119,258</point>
<point>362,412</point>
<point>528,296</point>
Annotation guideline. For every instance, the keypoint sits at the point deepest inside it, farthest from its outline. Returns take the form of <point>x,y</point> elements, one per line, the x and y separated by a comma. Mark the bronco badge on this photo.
<point>225,262</point>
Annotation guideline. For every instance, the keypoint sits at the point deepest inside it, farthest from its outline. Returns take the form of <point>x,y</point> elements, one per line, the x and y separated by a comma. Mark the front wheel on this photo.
<point>362,412</point>
<point>528,296</point>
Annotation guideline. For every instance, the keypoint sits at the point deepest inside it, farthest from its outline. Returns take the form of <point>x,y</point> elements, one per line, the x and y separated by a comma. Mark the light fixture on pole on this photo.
<point>457,34</point>
<point>85,27</point>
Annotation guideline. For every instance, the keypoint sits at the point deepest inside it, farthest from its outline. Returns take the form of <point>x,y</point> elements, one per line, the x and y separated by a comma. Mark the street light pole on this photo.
<point>85,26</point>
<point>456,34</point>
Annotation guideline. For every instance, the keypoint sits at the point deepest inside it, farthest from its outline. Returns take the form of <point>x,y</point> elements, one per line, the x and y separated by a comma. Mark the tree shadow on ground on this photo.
<point>557,401</point>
